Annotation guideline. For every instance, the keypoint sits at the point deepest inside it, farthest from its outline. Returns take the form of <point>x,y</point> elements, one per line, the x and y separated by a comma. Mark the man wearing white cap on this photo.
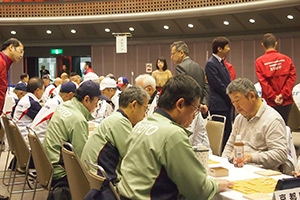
<point>105,108</point>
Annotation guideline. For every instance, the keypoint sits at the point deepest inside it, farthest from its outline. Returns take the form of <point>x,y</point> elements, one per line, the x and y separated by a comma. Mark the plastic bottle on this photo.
<point>238,160</point>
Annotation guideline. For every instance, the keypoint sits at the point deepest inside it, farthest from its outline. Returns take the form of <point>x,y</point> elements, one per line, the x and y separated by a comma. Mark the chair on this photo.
<point>291,162</point>
<point>294,118</point>
<point>5,122</point>
<point>215,131</point>
<point>2,146</point>
<point>21,151</point>
<point>77,178</point>
<point>96,181</point>
<point>294,124</point>
<point>43,166</point>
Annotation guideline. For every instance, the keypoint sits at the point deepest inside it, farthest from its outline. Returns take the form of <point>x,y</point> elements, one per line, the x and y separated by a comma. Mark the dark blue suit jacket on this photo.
<point>218,78</point>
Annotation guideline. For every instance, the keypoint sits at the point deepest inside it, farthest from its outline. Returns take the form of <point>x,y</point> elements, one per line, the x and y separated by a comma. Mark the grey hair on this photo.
<point>181,46</point>
<point>146,80</point>
<point>133,93</point>
<point>242,85</point>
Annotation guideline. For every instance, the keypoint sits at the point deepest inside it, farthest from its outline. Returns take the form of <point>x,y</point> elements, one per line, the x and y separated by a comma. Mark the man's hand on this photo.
<point>278,99</point>
<point>203,108</point>
<point>224,184</point>
<point>247,158</point>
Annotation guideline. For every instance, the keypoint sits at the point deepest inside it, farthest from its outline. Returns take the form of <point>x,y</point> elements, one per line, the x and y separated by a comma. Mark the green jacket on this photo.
<point>114,130</point>
<point>68,124</point>
<point>161,164</point>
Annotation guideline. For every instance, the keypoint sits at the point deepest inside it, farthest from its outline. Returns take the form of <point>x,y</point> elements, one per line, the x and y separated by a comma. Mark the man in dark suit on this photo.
<point>43,71</point>
<point>218,78</point>
<point>185,65</point>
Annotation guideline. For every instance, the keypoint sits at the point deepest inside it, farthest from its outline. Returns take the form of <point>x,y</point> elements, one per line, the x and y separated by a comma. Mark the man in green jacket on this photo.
<point>69,124</point>
<point>107,145</point>
<point>160,162</point>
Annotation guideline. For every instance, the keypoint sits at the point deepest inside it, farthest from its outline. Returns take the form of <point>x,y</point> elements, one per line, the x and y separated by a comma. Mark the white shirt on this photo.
<point>41,120</point>
<point>296,95</point>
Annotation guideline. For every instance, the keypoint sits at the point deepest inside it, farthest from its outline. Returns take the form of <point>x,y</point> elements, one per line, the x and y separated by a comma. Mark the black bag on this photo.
<point>60,191</point>
<point>104,193</point>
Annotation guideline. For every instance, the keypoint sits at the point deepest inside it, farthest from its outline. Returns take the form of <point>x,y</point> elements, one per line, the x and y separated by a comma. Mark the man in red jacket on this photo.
<point>12,50</point>
<point>276,74</point>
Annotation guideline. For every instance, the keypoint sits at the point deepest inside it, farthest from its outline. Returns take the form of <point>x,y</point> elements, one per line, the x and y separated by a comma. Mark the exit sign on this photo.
<point>56,51</point>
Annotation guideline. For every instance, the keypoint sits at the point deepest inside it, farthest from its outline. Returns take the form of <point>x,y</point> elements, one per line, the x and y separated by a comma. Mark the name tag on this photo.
<point>288,194</point>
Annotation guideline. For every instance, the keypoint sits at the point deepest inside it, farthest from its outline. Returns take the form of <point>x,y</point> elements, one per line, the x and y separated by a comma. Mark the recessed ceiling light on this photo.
<point>190,25</point>
<point>226,23</point>
<point>290,17</point>
<point>252,21</point>
<point>107,30</point>
<point>13,32</point>
<point>48,32</point>
<point>166,27</point>
<point>73,31</point>
<point>131,28</point>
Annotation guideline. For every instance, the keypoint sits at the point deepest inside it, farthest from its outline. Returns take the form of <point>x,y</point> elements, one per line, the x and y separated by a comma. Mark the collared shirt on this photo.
<point>218,57</point>
<point>264,136</point>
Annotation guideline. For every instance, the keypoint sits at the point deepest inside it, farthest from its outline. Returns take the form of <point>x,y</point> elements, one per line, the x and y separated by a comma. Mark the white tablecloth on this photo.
<point>246,172</point>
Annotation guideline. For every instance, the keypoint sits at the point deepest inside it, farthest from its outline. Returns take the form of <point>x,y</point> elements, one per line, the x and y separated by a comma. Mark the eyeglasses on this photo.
<point>197,109</point>
<point>145,107</point>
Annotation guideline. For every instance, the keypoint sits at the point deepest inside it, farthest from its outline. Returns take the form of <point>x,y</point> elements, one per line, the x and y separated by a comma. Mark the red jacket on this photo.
<point>231,70</point>
<point>5,63</point>
<point>88,70</point>
<point>276,74</point>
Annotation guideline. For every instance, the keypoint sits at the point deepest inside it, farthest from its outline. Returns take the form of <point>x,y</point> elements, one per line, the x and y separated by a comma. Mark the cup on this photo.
<point>202,153</point>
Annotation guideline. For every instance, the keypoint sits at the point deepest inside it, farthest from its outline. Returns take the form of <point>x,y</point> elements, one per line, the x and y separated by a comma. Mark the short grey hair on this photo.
<point>242,85</point>
<point>181,46</point>
<point>146,80</point>
<point>133,93</point>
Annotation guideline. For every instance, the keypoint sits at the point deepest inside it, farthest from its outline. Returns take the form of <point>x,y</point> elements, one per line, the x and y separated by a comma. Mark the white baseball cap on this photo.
<point>108,83</point>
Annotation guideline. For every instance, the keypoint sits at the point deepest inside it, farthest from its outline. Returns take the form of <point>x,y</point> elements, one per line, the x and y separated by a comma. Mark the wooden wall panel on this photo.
<point>242,55</point>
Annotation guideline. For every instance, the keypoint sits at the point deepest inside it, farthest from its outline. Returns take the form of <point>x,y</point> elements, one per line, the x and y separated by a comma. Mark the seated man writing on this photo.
<point>262,128</point>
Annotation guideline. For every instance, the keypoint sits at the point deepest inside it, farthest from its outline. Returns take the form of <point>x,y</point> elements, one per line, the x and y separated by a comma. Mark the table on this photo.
<point>246,172</point>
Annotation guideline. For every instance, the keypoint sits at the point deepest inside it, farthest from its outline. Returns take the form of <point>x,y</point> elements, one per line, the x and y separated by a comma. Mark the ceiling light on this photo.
<point>13,32</point>
<point>48,32</point>
<point>226,23</point>
<point>166,27</point>
<point>107,30</point>
<point>131,28</point>
<point>73,31</point>
<point>190,25</point>
<point>252,21</point>
<point>290,17</point>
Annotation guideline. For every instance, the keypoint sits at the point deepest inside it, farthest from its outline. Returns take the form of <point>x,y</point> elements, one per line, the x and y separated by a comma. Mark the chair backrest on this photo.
<point>78,181</point>
<point>294,118</point>
<point>43,166</point>
<point>1,137</point>
<point>96,181</point>
<point>215,132</point>
<point>6,123</point>
<point>20,148</point>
